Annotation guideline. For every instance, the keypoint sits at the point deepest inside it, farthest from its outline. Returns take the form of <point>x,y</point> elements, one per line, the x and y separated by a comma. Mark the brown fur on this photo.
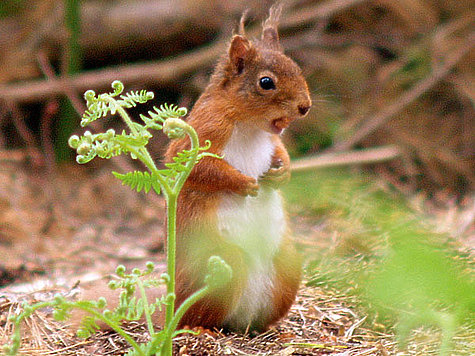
<point>230,97</point>
<point>234,95</point>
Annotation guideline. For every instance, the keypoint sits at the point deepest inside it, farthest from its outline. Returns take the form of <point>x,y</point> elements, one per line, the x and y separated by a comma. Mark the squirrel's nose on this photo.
<point>303,109</point>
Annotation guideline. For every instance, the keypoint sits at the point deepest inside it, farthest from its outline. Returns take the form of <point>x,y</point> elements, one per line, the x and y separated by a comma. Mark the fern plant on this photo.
<point>169,182</point>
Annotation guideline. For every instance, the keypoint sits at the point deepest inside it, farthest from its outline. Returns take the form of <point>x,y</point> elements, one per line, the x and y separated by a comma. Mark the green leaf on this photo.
<point>131,99</point>
<point>161,114</point>
<point>156,186</point>
<point>88,327</point>
<point>219,273</point>
<point>139,181</point>
<point>185,331</point>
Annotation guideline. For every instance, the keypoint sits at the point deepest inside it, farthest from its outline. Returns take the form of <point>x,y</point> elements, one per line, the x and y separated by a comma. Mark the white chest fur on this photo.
<point>255,224</point>
<point>249,150</point>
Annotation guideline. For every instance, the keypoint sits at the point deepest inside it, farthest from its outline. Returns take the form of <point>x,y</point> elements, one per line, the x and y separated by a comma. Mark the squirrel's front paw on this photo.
<point>251,189</point>
<point>275,177</point>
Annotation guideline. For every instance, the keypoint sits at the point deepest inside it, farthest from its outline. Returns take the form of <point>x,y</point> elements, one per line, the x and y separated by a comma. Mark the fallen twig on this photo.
<point>389,111</point>
<point>15,155</point>
<point>320,11</point>
<point>48,71</point>
<point>332,159</point>
<point>161,72</point>
<point>25,133</point>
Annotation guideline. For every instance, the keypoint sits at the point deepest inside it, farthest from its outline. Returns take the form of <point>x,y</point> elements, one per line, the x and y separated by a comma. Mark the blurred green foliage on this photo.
<point>387,255</point>
<point>11,7</point>
<point>417,65</point>
<point>66,125</point>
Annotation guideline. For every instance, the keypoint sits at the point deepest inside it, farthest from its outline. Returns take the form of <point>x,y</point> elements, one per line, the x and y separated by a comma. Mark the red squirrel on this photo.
<point>230,207</point>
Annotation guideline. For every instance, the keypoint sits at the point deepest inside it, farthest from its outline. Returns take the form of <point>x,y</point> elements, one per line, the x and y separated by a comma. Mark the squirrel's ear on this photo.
<point>270,35</point>
<point>271,39</point>
<point>239,51</point>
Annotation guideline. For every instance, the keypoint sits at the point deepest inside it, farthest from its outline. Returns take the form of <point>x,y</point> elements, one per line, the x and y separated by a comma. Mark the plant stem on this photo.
<point>171,262</point>
<point>195,143</point>
<point>171,250</point>
<point>178,315</point>
<point>124,116</point>
<point>87,309</point>
<point>142,153</point>
<point>184,307</point>
<point>146,307</point>
<point>171,321</point>
<point>113,326</point>
<point>73,23</point>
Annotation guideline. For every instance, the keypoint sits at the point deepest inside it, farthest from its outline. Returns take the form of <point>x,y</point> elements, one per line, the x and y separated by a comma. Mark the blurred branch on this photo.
<point>79,107</point>
<point>48,71</point>
<point>25,133</point>
<point>389,111</point>
<point>14,155</point>
<point>332,159</point>
<point>321,11</point>
<point>161,72</point>
<point>49,111</point>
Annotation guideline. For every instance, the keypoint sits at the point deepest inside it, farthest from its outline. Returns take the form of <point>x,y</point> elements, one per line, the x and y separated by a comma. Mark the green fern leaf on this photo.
<point>131,99</point>
<point>177,167</point>
<point>139,181</point>
<point>88,327</point>
<point>96,109</point>
<point>140,185</point>
<point>159,115</point>
<point>156,186</point>
<point>184,331</point>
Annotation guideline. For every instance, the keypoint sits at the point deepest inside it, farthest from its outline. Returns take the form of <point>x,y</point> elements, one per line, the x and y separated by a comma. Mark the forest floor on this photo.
<point>77,225</point>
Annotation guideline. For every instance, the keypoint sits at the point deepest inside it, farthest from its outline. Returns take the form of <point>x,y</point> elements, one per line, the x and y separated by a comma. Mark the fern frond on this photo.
<point>139,181</point>
<point>167,173</point>
<point>88,327</point>
<point>177,167</point>
<point>172,110</point>
<point>118,88</point>
<point>145,349</point>
<point>132,98</point>
<point>208,154</point>
<point>96,109</point>
<point>105,145</point>
<point>125,140</point>
<point>159,115</point>
<point>83,159</point>
<point>102,105</point>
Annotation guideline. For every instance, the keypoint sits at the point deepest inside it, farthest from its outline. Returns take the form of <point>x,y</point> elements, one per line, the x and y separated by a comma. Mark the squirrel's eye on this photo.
<point>266,83</point>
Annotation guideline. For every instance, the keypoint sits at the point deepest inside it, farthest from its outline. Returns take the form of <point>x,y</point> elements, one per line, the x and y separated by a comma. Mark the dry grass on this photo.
<point>382,72</point>
<point>71,229</point>
<point>87,237</point>
<point>320,322</point>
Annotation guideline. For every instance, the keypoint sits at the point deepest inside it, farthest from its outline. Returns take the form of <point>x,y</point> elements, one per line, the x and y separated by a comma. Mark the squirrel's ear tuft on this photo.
<point>239,51</point>
<point>242,23</point>
<point>270,35</point>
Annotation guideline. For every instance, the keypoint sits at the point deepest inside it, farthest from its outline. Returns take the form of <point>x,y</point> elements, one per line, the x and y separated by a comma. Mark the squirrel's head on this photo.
<point>260,82</point>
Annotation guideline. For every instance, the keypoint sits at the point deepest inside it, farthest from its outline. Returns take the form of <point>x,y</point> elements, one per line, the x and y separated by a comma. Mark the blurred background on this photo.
<point>393,90</point>
<point>381,73</point>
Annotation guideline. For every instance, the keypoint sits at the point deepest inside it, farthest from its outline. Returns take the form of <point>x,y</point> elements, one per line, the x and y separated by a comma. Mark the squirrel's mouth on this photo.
<point>278,125</point>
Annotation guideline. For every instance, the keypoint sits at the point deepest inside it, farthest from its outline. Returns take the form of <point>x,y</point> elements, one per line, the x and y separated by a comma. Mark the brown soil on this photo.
<point>73,225</point>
